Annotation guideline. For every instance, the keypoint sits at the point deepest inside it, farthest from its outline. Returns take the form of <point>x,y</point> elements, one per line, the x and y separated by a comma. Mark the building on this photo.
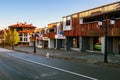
<point>25,32</point>
<point>59,37</point>
<point>83,32</point>
<point>53,36</point>
<point>49,34</point>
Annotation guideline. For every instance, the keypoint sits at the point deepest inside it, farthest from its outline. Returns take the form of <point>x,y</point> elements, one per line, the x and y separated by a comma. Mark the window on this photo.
<point>58,28</point>
<point>25,39</point>
<point>20,38</point>
<point>81,21</point>
<point>97,43</point>
<point>19,29</point>
<point>25,34</point>
<point>67,25</point>
<point>52,30</point>
<point>68,20</point>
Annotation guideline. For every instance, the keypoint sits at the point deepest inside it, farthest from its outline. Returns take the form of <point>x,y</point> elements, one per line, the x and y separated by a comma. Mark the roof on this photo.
<point>97,10</point>
<point>26,31</point>
<point>39,29</point>
<point>52,25</point>
<point>25,25</point>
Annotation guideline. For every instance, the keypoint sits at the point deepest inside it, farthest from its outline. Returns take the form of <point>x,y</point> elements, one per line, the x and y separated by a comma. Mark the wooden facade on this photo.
<point>81,30</point>
<point>89,18</point>
<point>50,31</point>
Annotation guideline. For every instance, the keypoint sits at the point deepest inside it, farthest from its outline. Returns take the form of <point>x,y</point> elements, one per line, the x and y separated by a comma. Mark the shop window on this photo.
<point>76,42</point>
<point>97,43</point>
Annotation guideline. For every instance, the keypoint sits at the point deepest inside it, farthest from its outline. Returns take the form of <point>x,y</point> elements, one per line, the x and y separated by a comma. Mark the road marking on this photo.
<point>63,70</point>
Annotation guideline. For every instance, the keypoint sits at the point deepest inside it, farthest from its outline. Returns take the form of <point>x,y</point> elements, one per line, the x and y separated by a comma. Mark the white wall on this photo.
<point>69,27</point>
<point>50,43</point>
<point>103,44</point>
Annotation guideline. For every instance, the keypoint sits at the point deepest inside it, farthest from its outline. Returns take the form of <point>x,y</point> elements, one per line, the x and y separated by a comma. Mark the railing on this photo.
<point>89,29</point>
<point>50,35</point>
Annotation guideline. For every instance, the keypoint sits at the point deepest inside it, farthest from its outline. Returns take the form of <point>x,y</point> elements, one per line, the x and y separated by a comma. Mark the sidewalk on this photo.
<point>89,57</point>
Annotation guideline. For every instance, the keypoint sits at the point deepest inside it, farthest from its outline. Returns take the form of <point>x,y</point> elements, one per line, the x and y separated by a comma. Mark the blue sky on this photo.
<point>42,12</point>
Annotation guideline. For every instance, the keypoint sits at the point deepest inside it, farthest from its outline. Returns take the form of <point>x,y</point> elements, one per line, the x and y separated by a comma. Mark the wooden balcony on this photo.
<point>92,29</point>
<point>50,35</point>
<point>45,35</point>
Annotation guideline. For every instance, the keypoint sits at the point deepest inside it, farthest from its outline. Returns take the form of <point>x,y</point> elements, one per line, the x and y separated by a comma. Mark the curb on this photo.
<point>73,59</point>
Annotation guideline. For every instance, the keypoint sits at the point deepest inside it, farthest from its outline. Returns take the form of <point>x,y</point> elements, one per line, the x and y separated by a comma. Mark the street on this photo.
<point>22,66</point>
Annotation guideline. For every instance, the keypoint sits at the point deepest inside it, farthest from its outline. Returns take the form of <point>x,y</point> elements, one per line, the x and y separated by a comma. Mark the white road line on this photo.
<point>63,70</point>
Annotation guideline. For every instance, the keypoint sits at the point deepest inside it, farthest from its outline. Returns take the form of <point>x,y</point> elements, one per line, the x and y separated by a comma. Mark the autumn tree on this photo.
<point>12,37</point>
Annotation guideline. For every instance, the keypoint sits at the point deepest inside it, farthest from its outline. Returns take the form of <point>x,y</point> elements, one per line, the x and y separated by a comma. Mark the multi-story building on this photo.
<point>83,30</point>
<point>25,32</point>
<point>53,36</point>
<point>59,37</point>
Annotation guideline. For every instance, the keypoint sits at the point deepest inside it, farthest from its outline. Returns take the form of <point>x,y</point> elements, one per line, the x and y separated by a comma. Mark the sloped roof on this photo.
<point>25,25</point>
<point>52,25</point>
<point>26,31</point>
<point>39,29</point>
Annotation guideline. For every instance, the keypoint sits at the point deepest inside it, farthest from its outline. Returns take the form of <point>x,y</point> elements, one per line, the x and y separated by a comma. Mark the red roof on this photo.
<point>25,25</point>
<point>26,31</point>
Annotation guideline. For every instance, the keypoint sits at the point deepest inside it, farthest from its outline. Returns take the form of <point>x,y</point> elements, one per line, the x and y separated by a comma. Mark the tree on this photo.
<point>12,37</point>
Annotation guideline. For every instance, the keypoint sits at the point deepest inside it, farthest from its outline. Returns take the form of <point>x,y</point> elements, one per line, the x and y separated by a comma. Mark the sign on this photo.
<point>45,38</point>
<point>58,36</point>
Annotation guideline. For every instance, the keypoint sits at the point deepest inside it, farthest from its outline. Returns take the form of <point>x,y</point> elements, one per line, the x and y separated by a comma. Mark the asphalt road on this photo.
<point>21,66</point>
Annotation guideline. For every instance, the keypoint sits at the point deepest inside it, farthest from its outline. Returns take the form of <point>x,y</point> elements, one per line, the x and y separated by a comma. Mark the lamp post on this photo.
<point>107,24</point>
<point>34,41</point>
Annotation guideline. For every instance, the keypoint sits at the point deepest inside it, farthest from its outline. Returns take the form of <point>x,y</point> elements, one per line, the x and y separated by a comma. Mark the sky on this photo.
<point>42,12</point>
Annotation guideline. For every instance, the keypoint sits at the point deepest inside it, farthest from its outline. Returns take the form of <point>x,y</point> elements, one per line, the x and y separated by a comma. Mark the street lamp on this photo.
<point>106,25</point>
<point>34,41</point>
